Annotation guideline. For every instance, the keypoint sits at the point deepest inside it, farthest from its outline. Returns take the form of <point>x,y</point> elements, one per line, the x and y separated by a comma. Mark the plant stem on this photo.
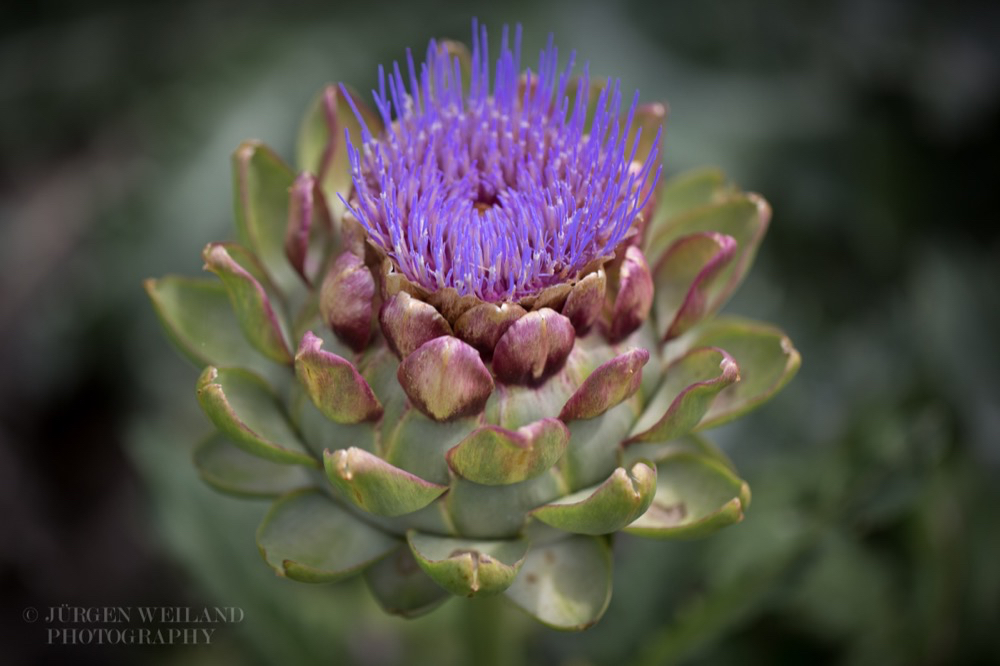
<point>492,636</point>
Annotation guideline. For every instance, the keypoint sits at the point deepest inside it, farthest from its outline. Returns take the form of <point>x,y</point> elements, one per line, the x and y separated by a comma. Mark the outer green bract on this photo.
<point>454,441</point>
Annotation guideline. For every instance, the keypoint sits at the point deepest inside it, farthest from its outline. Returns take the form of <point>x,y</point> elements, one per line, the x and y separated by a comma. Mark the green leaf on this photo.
<point>310,320</point>
<point>565,584</point>
<point>250,295</point>
<point>320,433</point>
<point>418,444</point>
<point>517,406</point>
<point>744,217</point>
<point>245,409</point>
<point>468,568</point>
<point>691,443</point>
<point>688,390</point>
<point>230,469</point>
<point>321,146</point>
<point>608,386</point>
<point>261,184</point>
<point>309,538</point>
<point>492,455</point>
<point>685,278</point>
<point>376,486</point>
<point>691,189</point>
<point>199,320</point>
<point>595,445</point>
<point>766,358</point>
<point>310,237</point>
<point>607,508</point>
<point>695,496</point>
<point>333,384</point>
<point>506,507</point>
<point>401,587</point>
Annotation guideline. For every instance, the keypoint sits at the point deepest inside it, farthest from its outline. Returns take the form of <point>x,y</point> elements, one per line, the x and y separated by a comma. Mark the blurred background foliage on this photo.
<point>870,125</point>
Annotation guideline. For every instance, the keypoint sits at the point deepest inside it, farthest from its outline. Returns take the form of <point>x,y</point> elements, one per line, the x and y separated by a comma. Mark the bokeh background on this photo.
<point>870,125</point>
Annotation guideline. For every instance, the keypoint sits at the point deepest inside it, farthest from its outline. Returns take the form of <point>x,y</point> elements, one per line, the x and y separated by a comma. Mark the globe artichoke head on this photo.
<point>475,336</point>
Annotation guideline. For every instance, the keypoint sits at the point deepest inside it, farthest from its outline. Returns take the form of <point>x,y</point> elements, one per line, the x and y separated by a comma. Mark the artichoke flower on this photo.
<point>474,337</point>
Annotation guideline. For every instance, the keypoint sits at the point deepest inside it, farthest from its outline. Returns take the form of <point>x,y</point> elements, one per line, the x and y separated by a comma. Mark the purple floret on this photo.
<point>498,192</point>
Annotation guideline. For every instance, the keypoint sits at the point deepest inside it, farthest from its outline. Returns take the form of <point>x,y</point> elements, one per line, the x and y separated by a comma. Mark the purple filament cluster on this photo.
<point>498,192</point>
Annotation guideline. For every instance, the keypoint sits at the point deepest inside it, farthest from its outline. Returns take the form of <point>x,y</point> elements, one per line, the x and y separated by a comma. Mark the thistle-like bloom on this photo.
<point>474,336</point>
<point>506,190</point>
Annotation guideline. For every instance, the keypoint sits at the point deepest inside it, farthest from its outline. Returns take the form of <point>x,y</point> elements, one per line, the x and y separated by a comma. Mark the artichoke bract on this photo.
<point>474,336</point>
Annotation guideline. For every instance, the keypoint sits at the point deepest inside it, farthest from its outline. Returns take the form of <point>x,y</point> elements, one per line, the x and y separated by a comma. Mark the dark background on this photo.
<point>870,125</point>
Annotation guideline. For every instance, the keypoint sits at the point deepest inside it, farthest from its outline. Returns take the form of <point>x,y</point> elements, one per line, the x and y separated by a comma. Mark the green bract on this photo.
<point>445,445</point>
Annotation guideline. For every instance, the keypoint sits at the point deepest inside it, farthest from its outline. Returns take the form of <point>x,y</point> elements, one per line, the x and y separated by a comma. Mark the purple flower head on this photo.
<point>497,191</point>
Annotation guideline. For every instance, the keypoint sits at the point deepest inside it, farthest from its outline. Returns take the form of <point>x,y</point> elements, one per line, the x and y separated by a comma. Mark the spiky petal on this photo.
<point>500,190</point>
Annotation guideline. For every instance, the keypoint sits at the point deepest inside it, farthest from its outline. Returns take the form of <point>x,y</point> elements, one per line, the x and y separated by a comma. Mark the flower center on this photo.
<point>483,206</point>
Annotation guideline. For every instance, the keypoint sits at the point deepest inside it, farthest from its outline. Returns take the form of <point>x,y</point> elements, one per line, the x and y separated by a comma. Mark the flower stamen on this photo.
<point>505,190</point>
